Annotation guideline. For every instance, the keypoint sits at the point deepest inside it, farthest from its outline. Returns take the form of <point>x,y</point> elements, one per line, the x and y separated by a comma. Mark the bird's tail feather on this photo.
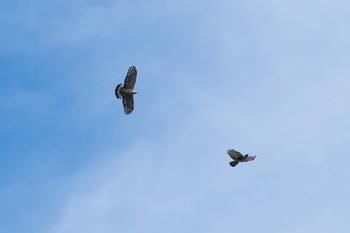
<point>117,91</point>
<point>234,163</point>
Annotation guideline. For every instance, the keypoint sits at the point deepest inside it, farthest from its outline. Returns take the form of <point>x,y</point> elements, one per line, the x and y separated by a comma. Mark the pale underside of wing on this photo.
<point>128,103</point>
<point>249,158</point>
<point>130,79</point>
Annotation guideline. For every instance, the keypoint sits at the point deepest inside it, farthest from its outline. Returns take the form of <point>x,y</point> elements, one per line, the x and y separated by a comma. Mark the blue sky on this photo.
<point>264,77</point>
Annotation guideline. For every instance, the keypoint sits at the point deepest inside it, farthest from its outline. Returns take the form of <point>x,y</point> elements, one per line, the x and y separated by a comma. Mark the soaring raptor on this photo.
<point>238,157</point>
<point>127,92</point>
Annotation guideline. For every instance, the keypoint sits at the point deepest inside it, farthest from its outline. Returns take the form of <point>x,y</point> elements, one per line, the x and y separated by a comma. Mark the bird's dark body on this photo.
<point>238,157</point>
<point>126,91</point>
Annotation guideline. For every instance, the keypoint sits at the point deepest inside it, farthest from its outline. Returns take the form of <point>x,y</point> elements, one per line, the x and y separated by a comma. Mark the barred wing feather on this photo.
<point>128,103</point>
<point>130,79</point>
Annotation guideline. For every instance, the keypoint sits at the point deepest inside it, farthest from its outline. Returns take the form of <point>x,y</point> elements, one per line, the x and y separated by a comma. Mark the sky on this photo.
<point>265,77</point>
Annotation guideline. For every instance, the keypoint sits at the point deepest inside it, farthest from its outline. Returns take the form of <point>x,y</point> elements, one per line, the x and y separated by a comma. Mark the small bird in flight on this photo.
<point>238,157</point>
<point>127,92</point>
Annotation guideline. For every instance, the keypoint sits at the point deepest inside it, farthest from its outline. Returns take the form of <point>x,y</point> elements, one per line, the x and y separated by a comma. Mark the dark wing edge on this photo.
<point>130,79</point>
<point>128,103</point>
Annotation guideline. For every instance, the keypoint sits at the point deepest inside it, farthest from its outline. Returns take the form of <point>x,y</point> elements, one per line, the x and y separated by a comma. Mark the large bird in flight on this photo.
<point>238,157</point>
<point>127,92</point>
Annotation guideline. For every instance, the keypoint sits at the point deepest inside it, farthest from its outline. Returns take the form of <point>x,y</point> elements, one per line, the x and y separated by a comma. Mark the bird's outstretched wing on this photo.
<point>130,79</point>
<point>249,158</point>
<point>234,154</point>
<point>128,103</point>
